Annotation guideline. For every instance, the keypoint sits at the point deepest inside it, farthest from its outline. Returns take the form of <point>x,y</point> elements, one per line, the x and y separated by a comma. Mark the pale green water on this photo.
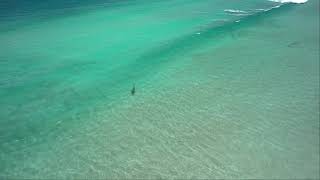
<point>215,98</point>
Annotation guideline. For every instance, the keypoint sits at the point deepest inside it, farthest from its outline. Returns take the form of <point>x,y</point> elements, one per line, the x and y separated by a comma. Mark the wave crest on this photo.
<point>290,1</point>
<point>234,11</point>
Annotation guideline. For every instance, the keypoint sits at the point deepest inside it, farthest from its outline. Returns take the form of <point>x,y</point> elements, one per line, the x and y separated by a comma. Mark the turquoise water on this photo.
<point>224,89</point>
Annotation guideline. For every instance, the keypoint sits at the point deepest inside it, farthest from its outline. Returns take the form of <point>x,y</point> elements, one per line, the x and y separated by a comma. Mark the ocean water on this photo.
<point>224,89</point>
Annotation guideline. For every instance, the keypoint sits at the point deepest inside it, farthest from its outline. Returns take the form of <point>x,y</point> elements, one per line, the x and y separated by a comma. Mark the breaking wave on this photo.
<point>290,1</point>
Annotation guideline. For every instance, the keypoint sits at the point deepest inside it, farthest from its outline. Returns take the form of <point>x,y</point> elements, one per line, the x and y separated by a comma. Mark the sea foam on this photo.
<point>290,1</point>
<point>234,11</point>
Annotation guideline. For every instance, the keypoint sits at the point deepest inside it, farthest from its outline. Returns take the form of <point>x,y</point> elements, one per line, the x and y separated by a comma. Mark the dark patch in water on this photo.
<point>133,90</point>
<point>294,44</point>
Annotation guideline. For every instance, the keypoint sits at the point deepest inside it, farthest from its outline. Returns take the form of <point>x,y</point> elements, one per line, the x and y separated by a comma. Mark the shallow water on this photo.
<point>224,89</point>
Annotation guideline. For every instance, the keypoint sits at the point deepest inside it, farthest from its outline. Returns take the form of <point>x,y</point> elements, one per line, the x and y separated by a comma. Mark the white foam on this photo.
<point>234,11</point>
<point>290,1</point>
<point>261,9</point>
<point>274,7</point>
